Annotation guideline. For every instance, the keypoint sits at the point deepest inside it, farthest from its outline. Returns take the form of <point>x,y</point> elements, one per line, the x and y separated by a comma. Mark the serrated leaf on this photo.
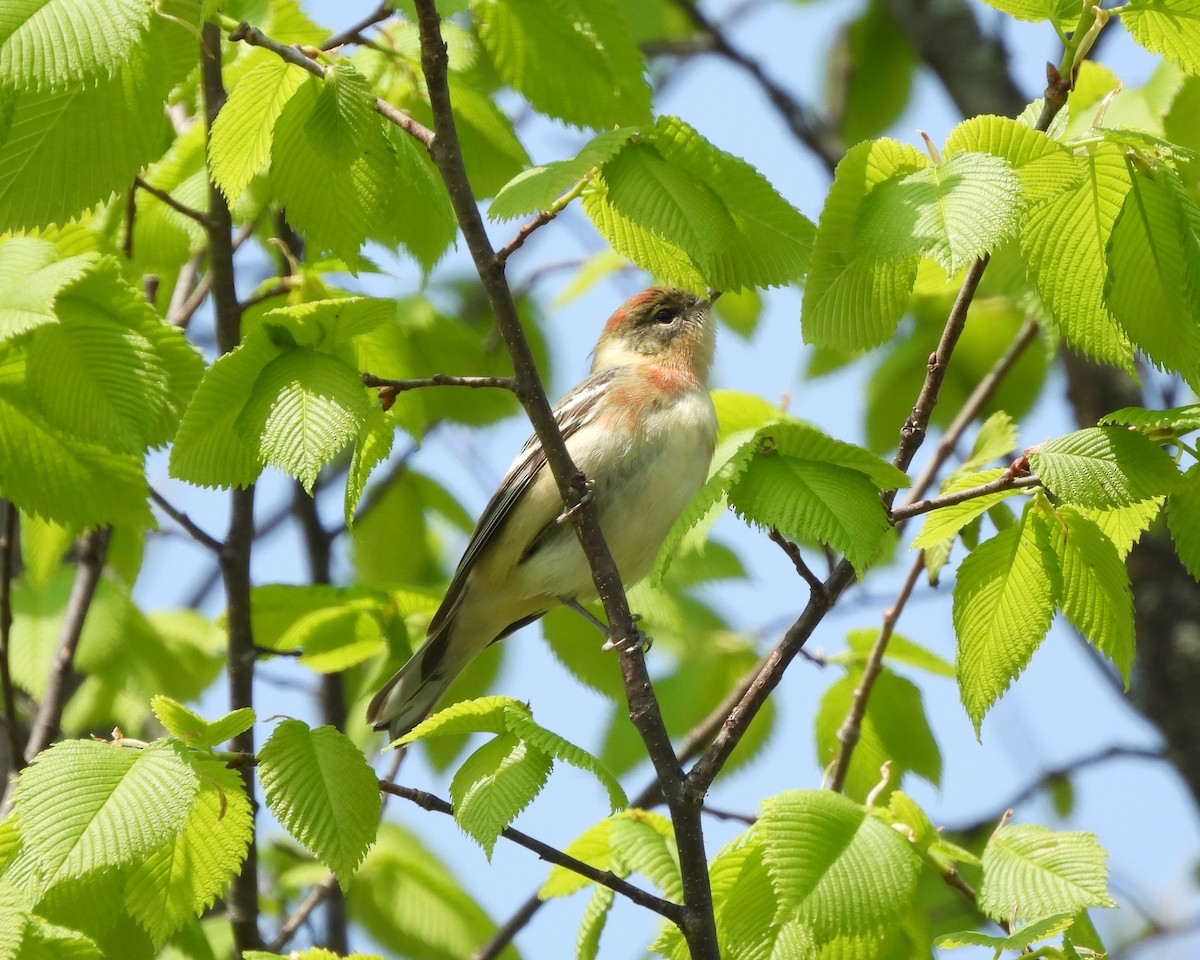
<point>899,650</point>
<point>1096,596</point>
<point>576,60</point>
<point>852,300</point>
<point>86,805</point>
<point>1031,872</point>
<point>644,842</point>
<point>1019,939</point>
<point>1004,599</point>
<point>320,787</point>
<point>595,914</point>
<point>31,277</point>
<point>482,715</point>
<point>208,450</point>
<point>1154,272</point>
<point>1177,421</point>
<point>997,438</point>
<point>894,729</point>
<point>771,242</point>
<point>594,847</point>
<point>1063,13</point>
<point>833,866</point>
<point>954,211</point>
<point>371,448</point>
<point>193,729</point>
<point>1103,467</point>
<point>538,187</point>
<point>183,879</point>
<point>1170,28</point>
<point>328,324</point>
<point>813,501</point>
<point>496,783</point>
<point>1044,166</point>
<point>304,408</point>
<point>946,522</point>
<point>240,144</point>
<point>117,123</point>
<point>1065,240</point>
<point>1183,520</point>
<point>519,723</point>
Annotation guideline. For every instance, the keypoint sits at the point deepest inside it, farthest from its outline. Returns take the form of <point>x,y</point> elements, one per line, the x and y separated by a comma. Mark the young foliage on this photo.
<point>1104,467</point>
<point>503,777</point>
<point>193,729</point>
<point>324,793</point>
<point>1183,519</point>
<point>1031,873</point>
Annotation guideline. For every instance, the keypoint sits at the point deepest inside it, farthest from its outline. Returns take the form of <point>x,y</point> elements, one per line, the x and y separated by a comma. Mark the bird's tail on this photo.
<point>413,690</point>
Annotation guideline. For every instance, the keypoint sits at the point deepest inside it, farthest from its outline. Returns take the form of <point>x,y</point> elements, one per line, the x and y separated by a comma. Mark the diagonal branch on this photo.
<point>696,923</point>
<point>8,571</point>
<point>606,878</point>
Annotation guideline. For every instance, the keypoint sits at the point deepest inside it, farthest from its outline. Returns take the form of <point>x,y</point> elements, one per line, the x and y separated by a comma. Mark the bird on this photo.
<point>642,428</point>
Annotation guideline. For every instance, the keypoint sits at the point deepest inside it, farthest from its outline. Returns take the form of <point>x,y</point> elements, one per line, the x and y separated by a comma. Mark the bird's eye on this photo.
<point>665,315</point>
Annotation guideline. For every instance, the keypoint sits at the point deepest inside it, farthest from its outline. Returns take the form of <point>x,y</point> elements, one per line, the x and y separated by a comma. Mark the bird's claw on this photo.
<point>567,515</point>
<point>638,640</point>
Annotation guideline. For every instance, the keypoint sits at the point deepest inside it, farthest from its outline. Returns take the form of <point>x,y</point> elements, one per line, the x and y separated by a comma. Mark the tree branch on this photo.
<point>851,728</point>
<point>181,518</point>
<point>697,923</point>
<point>235,553</point>
<point>606,878</point>
<point>8,571</point>
<point>1009,480</point>
<point>294,55</point>
<point>45,726</point>
<point>291,926</point>
<point>170,201</point>
<point>440,380</point>
<point>505,933</point>
<point>793,553</point>
<point>353,34</point>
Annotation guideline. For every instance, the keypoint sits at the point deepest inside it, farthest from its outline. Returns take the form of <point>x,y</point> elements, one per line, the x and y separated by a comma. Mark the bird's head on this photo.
<point>662,325</point>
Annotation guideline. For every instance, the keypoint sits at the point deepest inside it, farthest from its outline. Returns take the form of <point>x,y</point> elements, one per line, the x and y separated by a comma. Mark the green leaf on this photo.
<point>575,60</point>
<point>240,144</point>
<point>770,244</point>
<point>328,324</point>
<point>538,187</point>
<point>1044,166</point>
<point>813,501</point>
<point>833,866</point>
<point>56,44</point>
<point>1004,599</point>
<point>193,729</point>
<point>1062,13</point>
<point>954,211</point>
<point>208,450</point>
<point>323,792</point>
<point>496,783</point>
<point>304,408</point>
<point>996,439</point>
<point>633,841</point>
<point>482,715</point>
<point>852,300</point>
<point>183,878</point>
<point>371,448</point>
<point>329,133</point>
<point>1065,240</point>
<point>874,96</point>
<point>1124,526</point>
<point>86,805</point>
<point>118,123</point>
<point>1154,272</point>
<point>595,914</point>
<point>62,479</point>
<point>1104,467</point>
<point>1176,422</point>
<point>518,722</point>
<point>31,278</point>
<point>1030,872</point>
<point>1183,520</point>
<point>899,650</point>
<point>1019,939</point>
<point>945,522</point>
<point>1170,28</point>
<point>894,729</point>
<point>1096,595</point>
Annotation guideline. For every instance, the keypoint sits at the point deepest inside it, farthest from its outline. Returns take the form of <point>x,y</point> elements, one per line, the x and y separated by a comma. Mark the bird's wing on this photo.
<point>572,412</point>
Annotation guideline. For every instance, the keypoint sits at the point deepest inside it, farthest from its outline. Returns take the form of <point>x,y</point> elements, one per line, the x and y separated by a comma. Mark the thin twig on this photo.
<point>8,570</point>
<point>509,929</point>
<point>440,380</point>
<point>294,55</point>
<point>278,290</point>
<point>851,728</point>
<point>291,926</point>
<point>354,33</point>
<point>181,518</point>
<point>810,129</point>
<point>793,553</point>
<point>1006,481</point>
<point>606,878</point>
<point>45,726</point>
<point>196,215</point>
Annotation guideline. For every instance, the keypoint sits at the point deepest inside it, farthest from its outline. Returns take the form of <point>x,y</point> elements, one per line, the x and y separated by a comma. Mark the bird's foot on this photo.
<point>636,641</point>
<point>567,515</point>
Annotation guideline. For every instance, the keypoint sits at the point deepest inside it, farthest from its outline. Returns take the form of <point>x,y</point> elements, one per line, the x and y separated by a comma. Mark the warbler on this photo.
<point>642,428</point>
